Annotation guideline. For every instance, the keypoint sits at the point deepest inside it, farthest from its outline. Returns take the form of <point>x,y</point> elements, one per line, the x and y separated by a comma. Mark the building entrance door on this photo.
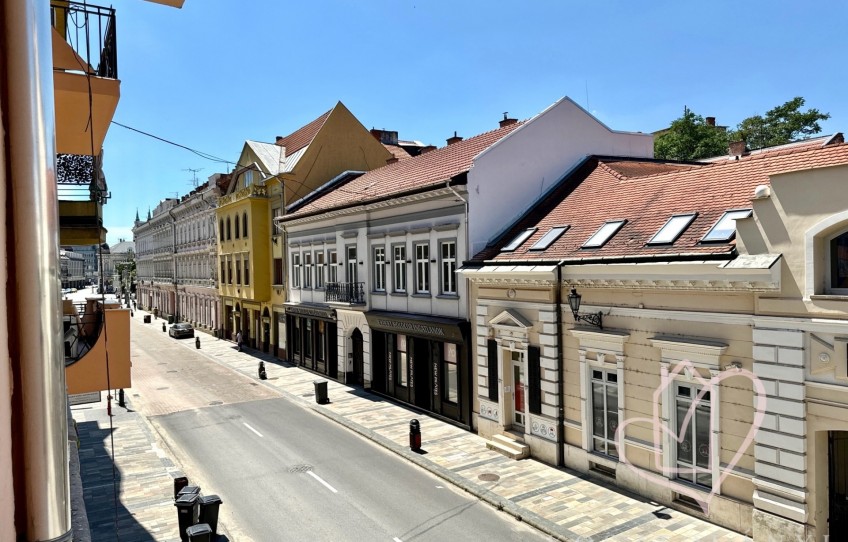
<point>518,384</point>
<point>838,471</point>
<point>358,364</point>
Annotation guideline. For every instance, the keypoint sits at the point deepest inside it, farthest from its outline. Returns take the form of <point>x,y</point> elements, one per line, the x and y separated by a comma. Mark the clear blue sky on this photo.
<point>218,72</point>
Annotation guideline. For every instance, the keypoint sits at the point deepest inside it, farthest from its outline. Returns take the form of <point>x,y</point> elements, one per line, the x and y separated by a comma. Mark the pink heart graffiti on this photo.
<point>660,429</point>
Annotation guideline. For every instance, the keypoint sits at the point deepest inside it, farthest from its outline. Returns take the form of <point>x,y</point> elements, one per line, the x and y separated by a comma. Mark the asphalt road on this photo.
<point>286,473</point>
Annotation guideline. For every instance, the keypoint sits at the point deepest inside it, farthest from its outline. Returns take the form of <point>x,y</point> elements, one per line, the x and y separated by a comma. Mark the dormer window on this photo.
<point>604,234</point>
<point>247,178</point>
<point>725,229</point>
<point>672,229</point>
<point>548,239</point>
<point>519,240</point>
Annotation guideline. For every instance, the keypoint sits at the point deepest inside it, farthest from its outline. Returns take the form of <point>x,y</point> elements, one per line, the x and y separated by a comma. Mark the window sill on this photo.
<point>399,294</point>
<point>447,296</point>
<point>423,295</point>
<point>378,292</point>
<point>829,297</point>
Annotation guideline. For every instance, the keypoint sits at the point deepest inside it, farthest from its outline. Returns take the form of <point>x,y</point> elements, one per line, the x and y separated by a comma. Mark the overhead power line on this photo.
<point>201,154</point>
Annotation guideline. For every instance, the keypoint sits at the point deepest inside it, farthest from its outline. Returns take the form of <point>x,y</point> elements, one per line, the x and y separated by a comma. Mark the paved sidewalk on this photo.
<point>562,503</point>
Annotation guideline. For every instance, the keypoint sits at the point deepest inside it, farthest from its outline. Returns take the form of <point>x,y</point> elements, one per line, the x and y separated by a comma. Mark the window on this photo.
<point>518,240</point>
<point>244,225</point>
<point>296,338</point>
<point>449,267</point>
<point>247,178</point>
<point>399,263</point>
<point>450,386</point>
<point>332,266</point>
<point>693,448</point>
<point>604,234</point>
<point>320,269</point>
<point>278,271</point>
<point>223,270</point>
<point>319,340</point>
<point>604,411</point>
<point>228,229</point>
<point>247,271</point>
<point>548,239</point>
<point>221,229</point>
<point>422,268</point>
<point>380,269</point>
<point>403,367</point>
<point>725,228</point>
<point>237,227</point>
<point>307,269</point>
<point>672,229</point>
<point>229,272</point>
<point>238,271</point>
<point>295,269</point>
<point>307,339</point>
<point>351,264</point>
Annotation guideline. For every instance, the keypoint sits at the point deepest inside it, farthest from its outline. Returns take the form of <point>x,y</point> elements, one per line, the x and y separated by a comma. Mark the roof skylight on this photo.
<point>519,239</point>
<point>672,229</point>
<point>547,239</point>
<point>604,234</point>
<point>725,228</point>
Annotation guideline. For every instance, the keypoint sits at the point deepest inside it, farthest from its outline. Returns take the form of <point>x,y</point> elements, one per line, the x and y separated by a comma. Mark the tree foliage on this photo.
<point>780,125</point>
<point>691,138</point>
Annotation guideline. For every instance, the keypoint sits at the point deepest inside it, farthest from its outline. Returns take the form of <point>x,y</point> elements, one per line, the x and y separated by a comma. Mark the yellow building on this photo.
<point>268,177</point>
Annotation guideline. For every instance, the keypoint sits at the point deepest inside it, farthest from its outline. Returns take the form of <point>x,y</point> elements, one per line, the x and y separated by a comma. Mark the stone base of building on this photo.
<point>772,528</point>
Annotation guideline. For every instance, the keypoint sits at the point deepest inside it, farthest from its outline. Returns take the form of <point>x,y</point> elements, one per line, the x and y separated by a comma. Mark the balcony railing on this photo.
<point>90,31</point>
<point>80,178</point>
<point>352,293</point>
<point>254,190</point>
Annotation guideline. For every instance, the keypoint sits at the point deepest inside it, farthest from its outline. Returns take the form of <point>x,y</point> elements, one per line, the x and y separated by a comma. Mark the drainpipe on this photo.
<point>34,478</point>
<point>471,316</point>
<point>560,367</point>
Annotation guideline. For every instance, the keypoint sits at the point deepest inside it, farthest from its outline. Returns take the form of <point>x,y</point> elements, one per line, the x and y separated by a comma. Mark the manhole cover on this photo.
<point>300,468</point>
<point>488,477</point>
<point>216,403</point>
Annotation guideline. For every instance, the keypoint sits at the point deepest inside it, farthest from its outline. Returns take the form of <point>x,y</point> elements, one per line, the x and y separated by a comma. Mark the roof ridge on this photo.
<point>617,174</point>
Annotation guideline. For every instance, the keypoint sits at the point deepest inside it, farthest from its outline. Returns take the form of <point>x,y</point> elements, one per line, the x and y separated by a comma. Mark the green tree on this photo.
<point>690,138</point>
<point>783,124</point>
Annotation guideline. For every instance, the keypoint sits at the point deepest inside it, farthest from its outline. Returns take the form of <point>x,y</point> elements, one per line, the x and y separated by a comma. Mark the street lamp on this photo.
<point>595,319</point>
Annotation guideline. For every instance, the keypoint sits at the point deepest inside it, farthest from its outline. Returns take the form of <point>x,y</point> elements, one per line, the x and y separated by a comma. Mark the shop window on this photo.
<point>379,269</point>
<point>403,367</point>
<point>296,337</point>
<point>422,268</point>
<point>295,269</point>
<point>604,397</point>
<point>320,269</point>
<point>448,267</point>
<point>399,268</point>
<point>307,339</point>
<point>693,448</point>
<point>319,343</point>
<point>450,386</point>
<point>307,269</point>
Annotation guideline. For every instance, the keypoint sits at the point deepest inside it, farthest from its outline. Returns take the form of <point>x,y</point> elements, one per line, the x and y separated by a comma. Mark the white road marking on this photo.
<point>252,429</point>
<point>328,486</point>
<point>396,539</point>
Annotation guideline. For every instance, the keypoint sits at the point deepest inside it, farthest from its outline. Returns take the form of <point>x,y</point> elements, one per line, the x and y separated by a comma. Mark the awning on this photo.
<point>418,325</point>
<point>315,311</point>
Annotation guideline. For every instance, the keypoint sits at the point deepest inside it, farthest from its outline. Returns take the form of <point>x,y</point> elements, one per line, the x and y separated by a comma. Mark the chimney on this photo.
<point>507,121</point>
<point>428,148</point>
<point>454,139</point>
<point>710,121</point>
<point>378,134</point>
<point>391,160</point>
<point>737,148</point>
<point>279,141</point>
<point>386,137</point>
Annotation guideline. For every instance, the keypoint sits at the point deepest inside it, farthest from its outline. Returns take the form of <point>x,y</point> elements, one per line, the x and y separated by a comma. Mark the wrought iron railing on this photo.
<point>90,31</point>
<point>345,292</point>
<point>81,331</point>
<point>80,178</point>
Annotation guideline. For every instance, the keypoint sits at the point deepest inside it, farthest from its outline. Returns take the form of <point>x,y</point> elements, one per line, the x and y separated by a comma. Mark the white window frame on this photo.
<point>320,270</point>
<point>399,266</point>
<point>307,269</point>
<point>696,394</point>
<point>422,268</point>
<point>608,441</point>
<point>332,266</point>
<point>379,261</point>
<point>447,268</point>
<point>295,269</point>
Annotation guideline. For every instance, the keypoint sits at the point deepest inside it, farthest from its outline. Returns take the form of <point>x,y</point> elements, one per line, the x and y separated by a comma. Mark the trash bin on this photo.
<point>187,511</point>
<point>171,319</point>
<point>146,318</point>
<point>320,391</point>
<point>199,533</point>
<point>209,505</point>
<point>190,490</point>
<point>179,483</point>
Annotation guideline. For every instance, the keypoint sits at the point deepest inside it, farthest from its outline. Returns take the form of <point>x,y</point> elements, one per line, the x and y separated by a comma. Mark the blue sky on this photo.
<point>218,72</point>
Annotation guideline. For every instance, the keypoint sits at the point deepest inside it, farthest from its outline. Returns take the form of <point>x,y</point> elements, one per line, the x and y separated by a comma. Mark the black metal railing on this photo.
<point>90,31</point>
<point>81,331</point>
<point>80,177</point>
<point>345,292</point>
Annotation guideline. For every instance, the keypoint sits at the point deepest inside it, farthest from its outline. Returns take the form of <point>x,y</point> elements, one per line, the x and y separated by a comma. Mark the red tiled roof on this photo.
<point>304,135</point>
<point>398,152</point>
<point>428,169</point>
<point>647,198</point>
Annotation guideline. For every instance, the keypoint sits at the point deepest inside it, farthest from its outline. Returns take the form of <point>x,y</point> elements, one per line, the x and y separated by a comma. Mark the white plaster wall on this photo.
<point>512,174</point>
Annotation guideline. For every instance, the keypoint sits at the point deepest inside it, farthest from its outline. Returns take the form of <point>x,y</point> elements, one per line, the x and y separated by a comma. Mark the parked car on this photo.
<point>179,331</point>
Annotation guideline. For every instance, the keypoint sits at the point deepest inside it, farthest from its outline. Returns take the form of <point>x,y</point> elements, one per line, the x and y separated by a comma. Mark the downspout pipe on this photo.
<point>468,309</point>
<point>35,484</point>
<point>560,367</point>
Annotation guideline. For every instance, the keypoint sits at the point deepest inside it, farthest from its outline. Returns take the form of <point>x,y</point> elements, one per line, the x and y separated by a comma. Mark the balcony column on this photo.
<point>34,479</point>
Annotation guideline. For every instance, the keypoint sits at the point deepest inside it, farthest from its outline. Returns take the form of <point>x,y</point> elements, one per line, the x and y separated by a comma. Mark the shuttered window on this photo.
<point>534,383</point>
<point>493,370</point>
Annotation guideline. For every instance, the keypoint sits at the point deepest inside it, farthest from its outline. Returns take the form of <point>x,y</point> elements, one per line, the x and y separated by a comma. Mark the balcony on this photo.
<point>85,75</point>
<point>86,351</point>
<point>352,293</point>
<point>82,192</point>
<point>252,191</point>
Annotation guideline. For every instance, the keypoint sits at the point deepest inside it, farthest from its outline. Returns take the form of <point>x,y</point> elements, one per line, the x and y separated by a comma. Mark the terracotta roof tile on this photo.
<point>398,152</point>
<point>599,192</point>
<point>304,135</point>
<point>429,169</point>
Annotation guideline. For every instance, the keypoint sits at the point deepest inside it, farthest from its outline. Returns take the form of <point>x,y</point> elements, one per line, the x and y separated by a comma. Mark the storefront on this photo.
<point>423,361</point>
<point>312,338</point>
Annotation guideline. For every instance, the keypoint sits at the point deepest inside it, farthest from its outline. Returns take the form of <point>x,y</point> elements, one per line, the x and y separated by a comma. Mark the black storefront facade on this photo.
<point>312,336</point>
<point>423,361</point>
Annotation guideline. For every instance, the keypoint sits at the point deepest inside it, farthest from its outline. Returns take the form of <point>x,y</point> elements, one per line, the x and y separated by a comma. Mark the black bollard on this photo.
<point>197,342</point>
<point>121,398</point>
<point>262,374</point>
<point>414,436</point>
<point>163,326</point>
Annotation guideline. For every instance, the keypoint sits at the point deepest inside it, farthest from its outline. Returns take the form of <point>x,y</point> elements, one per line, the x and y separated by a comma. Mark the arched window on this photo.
<point>228,229</point>
<point>237,227</point>
<point>244,225</point>
<point>839,263</point>
<point>221,229</point>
